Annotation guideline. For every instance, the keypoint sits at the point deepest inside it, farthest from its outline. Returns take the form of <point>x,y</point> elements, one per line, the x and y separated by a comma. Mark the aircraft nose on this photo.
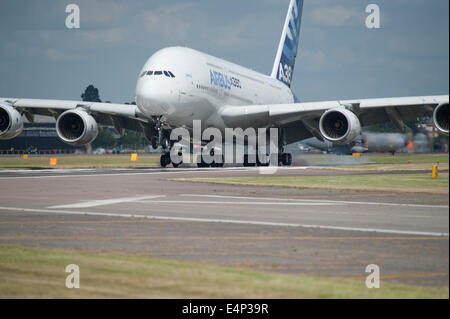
<point>151,91</point>
<point>154,97</point>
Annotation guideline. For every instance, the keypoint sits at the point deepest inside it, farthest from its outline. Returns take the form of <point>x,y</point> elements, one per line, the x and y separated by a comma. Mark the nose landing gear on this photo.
<point>166,145</point>
<point>165,160</point>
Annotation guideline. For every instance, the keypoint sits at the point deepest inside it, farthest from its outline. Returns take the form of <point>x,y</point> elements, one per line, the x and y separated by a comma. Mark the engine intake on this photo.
<point>76,127</point>
<point>11,123</point>
<point>339,126</point>
<point>440,118</point>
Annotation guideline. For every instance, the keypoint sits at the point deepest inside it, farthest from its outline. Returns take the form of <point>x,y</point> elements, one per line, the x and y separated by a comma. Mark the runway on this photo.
<point>304,231</point>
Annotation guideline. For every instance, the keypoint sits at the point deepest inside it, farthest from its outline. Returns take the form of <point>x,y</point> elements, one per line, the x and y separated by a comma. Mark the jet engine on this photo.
<point>440,118</point>
<point>76,127</point>
<point>11,123</point>
<point>339,126</point>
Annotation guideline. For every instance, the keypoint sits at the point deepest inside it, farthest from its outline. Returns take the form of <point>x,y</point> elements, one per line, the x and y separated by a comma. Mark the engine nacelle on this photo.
<point>440,118</point>
<point>11,123</point>
<point>339,126</point>
<point>76,127</point>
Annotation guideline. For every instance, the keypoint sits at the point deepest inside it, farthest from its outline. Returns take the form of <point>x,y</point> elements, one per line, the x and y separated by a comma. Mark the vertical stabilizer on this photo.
<point>283,67</point>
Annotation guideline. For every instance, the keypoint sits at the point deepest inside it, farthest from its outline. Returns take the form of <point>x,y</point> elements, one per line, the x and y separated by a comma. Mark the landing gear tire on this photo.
<point>154,143</point>
<point>176,165</point>
<point>285,159</point>
<point>215,164</point>
<point>165,160</point>
<point>259,163</point>
<point>180,158</point>
<point>247,162</point>
<point>202,164</point>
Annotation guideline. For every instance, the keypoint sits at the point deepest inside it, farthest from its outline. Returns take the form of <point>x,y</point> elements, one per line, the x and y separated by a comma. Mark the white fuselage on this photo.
<point>201,86</point>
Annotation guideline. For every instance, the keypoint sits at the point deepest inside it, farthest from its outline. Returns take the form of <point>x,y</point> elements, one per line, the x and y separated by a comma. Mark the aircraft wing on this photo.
<point>301,120</point>
<point>120,116</point>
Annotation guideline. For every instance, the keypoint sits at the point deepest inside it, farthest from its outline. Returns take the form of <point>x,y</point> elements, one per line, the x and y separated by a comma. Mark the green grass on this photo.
<point>40,273</point>
<point>379,162</point>
<point>408,159</point>
<point>415,183</point>
<point>78,161</point>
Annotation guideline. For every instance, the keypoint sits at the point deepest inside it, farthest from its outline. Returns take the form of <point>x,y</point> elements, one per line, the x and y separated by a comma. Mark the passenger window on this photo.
<point>158,72</point>
<point>171,74</point>
<point>149,72</point>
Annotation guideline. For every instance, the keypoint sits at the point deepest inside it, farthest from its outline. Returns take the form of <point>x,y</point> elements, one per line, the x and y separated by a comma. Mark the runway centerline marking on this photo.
<point>104,202</point>
<point>228,221</point>
<point>318,201</point>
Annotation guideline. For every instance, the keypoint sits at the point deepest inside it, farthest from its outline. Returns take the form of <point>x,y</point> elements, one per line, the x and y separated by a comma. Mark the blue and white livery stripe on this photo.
<point>287,51</point>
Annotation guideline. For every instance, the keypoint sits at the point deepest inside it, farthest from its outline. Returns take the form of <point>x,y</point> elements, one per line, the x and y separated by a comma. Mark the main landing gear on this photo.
<point>284,159</point>
<point>213,163</point>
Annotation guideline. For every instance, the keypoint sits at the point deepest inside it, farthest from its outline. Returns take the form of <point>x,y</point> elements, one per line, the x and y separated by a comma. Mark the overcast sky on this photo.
<point>339,57</point>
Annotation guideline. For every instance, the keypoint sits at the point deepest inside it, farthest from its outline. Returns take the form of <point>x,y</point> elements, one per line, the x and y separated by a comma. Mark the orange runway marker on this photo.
<point>434,172</point>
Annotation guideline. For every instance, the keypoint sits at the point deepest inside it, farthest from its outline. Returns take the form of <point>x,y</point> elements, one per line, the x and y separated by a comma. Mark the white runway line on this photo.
<point>47,170</point>
<point>159,172</point>
<point>155,171</point>
<point>106,202</point>
<point>324,201</point>
<point>228,221</point>
<point>230,203</point>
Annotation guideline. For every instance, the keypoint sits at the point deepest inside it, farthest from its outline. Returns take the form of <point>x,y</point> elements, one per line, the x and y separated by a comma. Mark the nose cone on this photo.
<point>158,92</point>
<point>154,96</point>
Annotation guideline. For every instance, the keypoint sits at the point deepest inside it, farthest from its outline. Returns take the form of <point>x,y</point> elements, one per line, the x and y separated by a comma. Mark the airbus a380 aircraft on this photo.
<point>179,85</point>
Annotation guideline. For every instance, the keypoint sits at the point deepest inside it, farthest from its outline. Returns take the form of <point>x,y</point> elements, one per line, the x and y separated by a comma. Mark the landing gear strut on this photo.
<point>283,158</point>
<point>164,141</point>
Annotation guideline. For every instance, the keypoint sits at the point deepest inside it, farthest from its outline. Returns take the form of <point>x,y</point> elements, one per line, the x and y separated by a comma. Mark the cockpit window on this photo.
<point>166,73</point>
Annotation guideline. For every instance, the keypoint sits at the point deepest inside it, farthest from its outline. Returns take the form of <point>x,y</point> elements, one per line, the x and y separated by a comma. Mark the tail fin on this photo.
<point>283,67</point>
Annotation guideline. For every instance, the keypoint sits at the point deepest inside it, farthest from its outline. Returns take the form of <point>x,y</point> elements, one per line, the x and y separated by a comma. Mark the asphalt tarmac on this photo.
<point>139,211</point>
